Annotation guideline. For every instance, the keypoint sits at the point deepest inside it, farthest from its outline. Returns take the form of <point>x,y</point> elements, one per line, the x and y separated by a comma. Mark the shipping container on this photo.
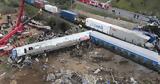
<point>69,15</point>
<point>51,9</point>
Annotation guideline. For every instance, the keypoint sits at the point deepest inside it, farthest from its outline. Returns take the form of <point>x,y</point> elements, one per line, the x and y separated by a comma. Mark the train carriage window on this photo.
<point>30,48</point>
<point>145,60</point>
<point>105,44</point>
<point>96,39</point>
<point>154,63</point>
<point>125,52</point>
<point>102,43</point>
<point>109,46</point>
<point>129,53</point>
<point>118,50</point>
<point>136,56</point>
<point>25,50</point>
<point>122,49</point>
<point>141,59</point>
<point>149,62</point>
<point>132,55</point>
<point>113,47</point>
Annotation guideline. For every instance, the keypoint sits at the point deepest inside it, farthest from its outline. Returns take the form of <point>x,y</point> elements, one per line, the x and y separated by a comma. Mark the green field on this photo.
<point>96,12</point>
<point>148,7</point>
<point>90,10</point>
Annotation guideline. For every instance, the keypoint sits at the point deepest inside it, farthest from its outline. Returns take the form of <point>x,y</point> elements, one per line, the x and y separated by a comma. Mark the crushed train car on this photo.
<point>48,45</point>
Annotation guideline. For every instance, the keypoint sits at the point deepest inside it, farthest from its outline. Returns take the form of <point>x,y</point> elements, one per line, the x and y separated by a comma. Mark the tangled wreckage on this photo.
<point>138,54</point>
<point>48,45</point>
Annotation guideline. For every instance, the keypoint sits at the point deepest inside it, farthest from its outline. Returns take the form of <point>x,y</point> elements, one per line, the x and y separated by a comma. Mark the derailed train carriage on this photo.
<point>143,56</point>
<point>117,32</point>
<point>48,45</point>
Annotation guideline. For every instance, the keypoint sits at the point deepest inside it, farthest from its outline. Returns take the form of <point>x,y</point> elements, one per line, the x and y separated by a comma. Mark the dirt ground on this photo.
<point>92,65</point>
<point>85,65</point>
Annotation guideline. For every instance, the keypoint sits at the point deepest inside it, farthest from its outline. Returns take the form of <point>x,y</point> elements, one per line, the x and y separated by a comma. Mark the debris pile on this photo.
<point>64,77</point>
<point>99,76</point>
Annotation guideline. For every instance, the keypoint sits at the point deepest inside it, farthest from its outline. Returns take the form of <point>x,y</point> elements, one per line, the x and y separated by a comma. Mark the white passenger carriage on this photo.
<point>49,45</point>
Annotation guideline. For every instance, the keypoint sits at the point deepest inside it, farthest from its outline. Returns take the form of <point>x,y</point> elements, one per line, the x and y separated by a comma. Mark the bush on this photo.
<point>63,4</point>
<point>14,3</point>
<point>64,26</point>
<point>51,22</point>
<point>10,3</point>
<point>30,10</point>
<point>8,6</point>
<point>7,10</point>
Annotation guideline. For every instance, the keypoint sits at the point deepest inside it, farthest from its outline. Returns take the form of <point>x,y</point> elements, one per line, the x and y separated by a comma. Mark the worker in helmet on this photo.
<point>9,20</point>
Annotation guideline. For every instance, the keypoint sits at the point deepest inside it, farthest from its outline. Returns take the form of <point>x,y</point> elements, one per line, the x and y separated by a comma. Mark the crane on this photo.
<point>19,24</point>
<point>17,27</point>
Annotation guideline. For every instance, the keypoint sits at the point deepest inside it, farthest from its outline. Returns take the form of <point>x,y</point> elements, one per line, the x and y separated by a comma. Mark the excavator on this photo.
<point>18,28</point>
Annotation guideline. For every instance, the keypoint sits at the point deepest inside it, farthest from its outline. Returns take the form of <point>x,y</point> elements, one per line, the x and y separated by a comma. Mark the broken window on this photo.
<point>30,48</point>
<point>25,50</point>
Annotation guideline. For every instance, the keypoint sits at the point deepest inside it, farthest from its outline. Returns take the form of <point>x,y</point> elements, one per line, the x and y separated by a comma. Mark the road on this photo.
<point>135,17</point>
<point>128,15</point>
<point>121,23</point>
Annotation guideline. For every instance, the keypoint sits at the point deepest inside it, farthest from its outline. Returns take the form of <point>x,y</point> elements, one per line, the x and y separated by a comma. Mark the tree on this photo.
<point>51,22</point>
<point>64,26</point>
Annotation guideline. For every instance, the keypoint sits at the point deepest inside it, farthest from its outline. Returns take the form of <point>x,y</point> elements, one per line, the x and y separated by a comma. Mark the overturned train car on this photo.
<point>117,32</point>
<point>140,55</point>
<point>48,45</point>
